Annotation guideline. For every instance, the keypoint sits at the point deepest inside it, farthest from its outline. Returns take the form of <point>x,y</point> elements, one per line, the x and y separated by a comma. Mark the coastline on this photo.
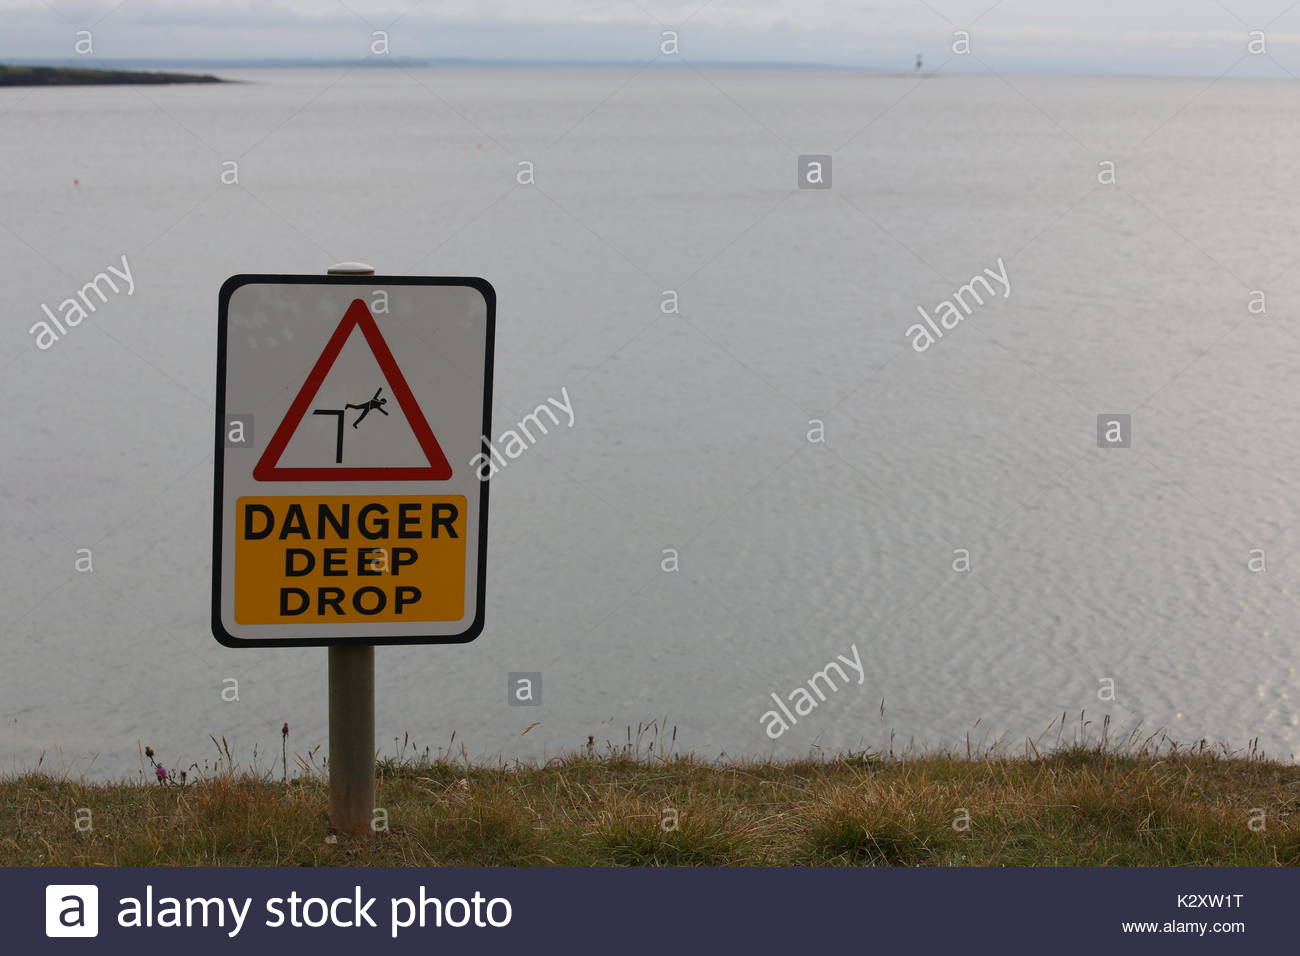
<point>11,75</point>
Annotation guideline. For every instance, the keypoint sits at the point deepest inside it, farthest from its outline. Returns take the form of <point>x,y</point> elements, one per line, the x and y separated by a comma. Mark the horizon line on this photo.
<point>370,62</point>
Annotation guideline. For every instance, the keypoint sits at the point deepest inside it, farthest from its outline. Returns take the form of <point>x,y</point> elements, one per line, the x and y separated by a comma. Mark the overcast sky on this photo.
<point>1193,37</point>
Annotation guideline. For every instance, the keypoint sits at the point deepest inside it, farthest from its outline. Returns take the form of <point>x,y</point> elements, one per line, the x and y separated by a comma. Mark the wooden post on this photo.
<point>352,712</point>
<point>352,738</point>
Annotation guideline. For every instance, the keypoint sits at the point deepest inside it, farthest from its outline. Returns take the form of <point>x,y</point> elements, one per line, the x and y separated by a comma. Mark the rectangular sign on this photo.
<point>356,559</point>
<point>350,410</point>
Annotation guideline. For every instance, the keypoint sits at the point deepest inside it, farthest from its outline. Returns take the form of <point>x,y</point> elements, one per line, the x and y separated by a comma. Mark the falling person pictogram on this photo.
<point>375,404</point>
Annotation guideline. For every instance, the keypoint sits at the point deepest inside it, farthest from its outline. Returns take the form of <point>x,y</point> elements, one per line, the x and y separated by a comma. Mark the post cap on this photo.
<point>351,269</point>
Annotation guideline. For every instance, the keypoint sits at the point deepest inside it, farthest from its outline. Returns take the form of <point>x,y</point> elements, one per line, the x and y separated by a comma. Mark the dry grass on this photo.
<point>1082,805</point>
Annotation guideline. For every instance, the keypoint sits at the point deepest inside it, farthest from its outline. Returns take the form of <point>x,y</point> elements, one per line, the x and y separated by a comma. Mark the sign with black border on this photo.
<point>346,506</point>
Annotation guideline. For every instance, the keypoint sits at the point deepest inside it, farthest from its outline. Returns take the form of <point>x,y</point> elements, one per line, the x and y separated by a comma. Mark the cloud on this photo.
<point>1078,35</point>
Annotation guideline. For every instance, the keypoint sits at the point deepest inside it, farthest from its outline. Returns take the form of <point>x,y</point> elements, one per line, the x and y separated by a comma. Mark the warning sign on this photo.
<point>349,409</point>
<point>357,318</point>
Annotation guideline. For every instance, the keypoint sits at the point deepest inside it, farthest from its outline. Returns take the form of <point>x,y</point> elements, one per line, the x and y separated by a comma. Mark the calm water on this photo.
<point>691,429</point>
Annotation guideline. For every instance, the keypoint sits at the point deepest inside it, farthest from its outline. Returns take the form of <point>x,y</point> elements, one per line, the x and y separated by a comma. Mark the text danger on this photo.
<point>350,559</point>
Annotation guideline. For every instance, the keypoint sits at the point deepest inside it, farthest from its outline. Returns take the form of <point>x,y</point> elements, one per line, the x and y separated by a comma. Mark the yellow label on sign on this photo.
<point>349,559</point>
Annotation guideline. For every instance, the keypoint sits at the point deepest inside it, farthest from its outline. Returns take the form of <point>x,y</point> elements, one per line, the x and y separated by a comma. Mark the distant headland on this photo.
<point>75,76</point>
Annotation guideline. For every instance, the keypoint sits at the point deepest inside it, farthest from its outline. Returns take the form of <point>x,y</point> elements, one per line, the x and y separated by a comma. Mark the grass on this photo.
<point>1080,805</point>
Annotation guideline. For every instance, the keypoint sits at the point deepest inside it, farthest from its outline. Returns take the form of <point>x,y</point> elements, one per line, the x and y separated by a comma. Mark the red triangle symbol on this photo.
<point>357,316</point>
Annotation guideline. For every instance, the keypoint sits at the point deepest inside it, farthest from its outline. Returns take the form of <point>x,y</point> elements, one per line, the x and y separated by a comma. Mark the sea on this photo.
<point>1064,510</point>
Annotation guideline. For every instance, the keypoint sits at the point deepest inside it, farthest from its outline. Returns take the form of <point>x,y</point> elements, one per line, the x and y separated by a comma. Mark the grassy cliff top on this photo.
<point>1079,806</point>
